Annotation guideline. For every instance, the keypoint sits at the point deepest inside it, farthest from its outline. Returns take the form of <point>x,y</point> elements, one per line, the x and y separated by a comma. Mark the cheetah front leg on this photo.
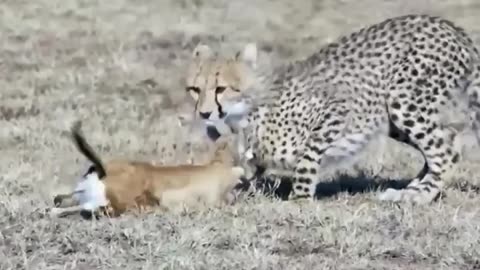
<point>339,138</point>
<point>319,155</point>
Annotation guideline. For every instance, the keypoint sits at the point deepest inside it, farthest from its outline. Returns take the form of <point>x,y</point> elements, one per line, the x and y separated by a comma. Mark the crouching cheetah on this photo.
<point>396,77</point>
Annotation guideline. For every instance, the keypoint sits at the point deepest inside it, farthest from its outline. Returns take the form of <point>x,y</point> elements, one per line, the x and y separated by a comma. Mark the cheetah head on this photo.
<point>219,85</point>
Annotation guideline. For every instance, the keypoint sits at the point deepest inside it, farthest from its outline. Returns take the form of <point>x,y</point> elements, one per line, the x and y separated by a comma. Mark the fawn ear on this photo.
<point>248,55</point>
<point>202,52</point>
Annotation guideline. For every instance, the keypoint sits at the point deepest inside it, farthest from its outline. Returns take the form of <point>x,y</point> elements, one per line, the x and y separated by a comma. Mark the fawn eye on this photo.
<point>193,89</point>
<point>220,89</point>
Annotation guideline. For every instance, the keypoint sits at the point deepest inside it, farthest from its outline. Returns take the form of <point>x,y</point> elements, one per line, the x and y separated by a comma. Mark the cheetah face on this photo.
<point>218,84</point>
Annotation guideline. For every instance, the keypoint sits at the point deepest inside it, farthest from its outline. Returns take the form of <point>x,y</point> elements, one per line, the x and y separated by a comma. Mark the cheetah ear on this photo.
<point>202,52</point>
<point>248,55</point>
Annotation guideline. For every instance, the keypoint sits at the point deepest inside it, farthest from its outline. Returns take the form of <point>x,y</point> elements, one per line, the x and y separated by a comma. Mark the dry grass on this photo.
<point>118,64</point>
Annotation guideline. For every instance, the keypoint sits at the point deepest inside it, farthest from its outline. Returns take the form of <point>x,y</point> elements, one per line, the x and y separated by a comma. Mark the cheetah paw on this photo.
<point>406,195</point>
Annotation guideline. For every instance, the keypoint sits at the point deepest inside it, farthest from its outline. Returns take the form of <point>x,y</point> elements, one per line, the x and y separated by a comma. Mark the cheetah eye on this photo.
<point>193,89</point>
<point>220,89</point>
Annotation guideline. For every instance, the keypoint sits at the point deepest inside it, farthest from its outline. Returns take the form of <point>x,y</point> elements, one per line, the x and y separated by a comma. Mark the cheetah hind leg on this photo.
<point>441,156</point>
<point>434,140</point>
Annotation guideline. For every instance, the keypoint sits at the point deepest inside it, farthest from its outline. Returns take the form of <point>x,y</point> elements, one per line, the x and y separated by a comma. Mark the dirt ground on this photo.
<point>118,65</point>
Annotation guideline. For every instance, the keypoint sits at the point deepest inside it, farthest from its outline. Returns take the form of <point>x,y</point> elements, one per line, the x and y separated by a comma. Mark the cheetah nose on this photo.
<point>205,115</point>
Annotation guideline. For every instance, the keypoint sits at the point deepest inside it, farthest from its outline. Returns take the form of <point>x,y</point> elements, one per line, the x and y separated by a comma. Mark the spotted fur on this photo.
<point>396,77</point>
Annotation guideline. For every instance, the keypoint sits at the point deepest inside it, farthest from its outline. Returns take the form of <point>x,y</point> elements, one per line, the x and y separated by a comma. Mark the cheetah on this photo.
<point>396,78</point>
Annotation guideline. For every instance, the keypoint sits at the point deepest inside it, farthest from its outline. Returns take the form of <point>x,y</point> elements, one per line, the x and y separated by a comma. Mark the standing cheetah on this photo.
<point>397,77</point>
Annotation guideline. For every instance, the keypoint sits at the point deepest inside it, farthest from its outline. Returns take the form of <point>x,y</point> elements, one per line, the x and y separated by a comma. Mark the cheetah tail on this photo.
<point>86,149</point>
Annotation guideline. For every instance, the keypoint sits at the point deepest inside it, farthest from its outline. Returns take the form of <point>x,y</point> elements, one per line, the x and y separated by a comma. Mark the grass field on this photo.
<point>119,65</point>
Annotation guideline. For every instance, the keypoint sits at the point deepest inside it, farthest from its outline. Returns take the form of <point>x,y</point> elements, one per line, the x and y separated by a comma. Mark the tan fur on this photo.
<point>211,79</point>
<point>215,83</point>
<point>134,185</point>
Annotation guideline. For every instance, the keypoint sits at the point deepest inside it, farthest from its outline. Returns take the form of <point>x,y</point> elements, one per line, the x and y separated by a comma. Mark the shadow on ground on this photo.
<point>360,183</point>
<point>351,184</point>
